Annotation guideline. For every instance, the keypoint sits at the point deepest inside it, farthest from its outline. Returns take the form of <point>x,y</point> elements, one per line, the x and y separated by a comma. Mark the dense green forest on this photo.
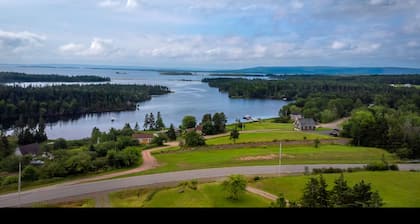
<point>381,115</point>
<point>7,77</point>
<point>102,151</point>
<point>30,103</point>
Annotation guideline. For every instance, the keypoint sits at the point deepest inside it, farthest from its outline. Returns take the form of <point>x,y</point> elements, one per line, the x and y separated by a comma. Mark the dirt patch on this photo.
<point>264,157</point>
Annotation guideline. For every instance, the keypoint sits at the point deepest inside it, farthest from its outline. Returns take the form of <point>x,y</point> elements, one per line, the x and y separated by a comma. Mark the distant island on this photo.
<point>8,77</point>
<point>236,75</point>
<point>176,73</point>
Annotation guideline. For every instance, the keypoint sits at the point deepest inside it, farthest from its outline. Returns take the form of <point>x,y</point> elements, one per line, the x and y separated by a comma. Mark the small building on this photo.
<point>144,138</point>
<point>305,124</point>
<point>294,116</point>
<point>31,149</point>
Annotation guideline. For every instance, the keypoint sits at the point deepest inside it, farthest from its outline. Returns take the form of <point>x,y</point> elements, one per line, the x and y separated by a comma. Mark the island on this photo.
<point>10,77</point>
<point>176,73</point>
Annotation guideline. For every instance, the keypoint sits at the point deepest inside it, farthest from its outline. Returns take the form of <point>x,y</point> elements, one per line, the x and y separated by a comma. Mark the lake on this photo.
<point>190,97</point>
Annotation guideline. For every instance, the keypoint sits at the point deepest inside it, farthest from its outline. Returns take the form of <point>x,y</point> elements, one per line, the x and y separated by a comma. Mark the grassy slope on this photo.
<point>264,125</point>
<point>328,154</point>
<point>267,136</point>
<point>207,195</point>
<point>85,203</point>
<point>397,189</point>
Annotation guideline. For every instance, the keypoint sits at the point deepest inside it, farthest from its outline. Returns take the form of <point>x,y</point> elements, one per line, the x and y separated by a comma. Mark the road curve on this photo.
<point>64,191</point>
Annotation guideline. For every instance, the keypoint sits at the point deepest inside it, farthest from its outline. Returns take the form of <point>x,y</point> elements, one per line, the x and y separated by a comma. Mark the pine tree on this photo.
<point>159,122</point>
<point>341,194</point>
<point>146,122</point>
<point>152,124</point>
<point>137,127</point>
<point>171,133</point>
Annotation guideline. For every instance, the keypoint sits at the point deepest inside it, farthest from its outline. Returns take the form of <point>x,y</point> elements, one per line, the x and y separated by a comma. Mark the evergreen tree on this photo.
<point>219,122</point>
<point>152,124</point>
<point>341,194</point>
<point>146,122</point>
<point>159,122</point>
<point>234,134</point>
<point>171,133</point>
<point>137,127</point>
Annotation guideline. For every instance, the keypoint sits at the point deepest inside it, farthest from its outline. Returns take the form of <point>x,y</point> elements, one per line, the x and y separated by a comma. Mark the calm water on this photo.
<point>189,98</point>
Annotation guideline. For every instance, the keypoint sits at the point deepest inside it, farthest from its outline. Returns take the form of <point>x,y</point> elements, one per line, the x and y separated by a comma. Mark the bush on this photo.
<point>376,166</point>
<point>404,153</point>
<point>60,143</point>
<point>30,173</point>
<point>327,170</point>
<point>194,139</point>
<point>150,196</point>
<point>10,180</point>
<point>394,167</point>
<point>257,178</point>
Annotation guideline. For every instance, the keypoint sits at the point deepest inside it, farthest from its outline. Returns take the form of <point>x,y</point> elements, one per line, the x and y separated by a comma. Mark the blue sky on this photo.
<point>211,34</point>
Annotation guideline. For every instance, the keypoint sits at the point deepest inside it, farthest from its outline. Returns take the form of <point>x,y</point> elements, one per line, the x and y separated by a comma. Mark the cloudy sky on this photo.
<point>211,34</point>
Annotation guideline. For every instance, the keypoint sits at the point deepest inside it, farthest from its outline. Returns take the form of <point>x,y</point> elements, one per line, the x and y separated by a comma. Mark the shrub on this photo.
<point>393,167</point>
<point>376,166</point>
<point>30,173</point>
<point>60,143</point>
<point>327,170</point>
<point>257,178</point>
<point>194,139</point>
<point>10,180</point>
<point>235,186</point>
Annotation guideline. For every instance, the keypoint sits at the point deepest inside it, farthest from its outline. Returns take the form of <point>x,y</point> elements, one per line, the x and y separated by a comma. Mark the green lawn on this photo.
<point>264,125</point>
<point>206,195</point>
<point>86,203</point>
<point>397,188</point>
<point>267,137</point>
<point>209,158</point>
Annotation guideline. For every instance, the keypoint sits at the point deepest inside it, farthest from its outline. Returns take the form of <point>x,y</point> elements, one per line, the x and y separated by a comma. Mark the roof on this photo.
<point>29,149</point>
<point>306,122</point>
<point>143,135</point>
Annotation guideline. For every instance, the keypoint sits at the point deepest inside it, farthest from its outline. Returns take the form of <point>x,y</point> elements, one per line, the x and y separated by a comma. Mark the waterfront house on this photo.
<point>305,124</point>
<point>143,138</point>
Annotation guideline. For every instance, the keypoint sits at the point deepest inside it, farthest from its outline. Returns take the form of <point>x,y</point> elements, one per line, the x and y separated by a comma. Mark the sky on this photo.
<point>211,34</point>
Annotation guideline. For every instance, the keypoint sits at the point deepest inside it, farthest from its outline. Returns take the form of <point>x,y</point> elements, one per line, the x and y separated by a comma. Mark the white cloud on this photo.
<point>16,42</point>
<point>297,4</point>
<point>98,47</point>
<point>413,43</point>
<point>119,4</point>
<point>338,45</point>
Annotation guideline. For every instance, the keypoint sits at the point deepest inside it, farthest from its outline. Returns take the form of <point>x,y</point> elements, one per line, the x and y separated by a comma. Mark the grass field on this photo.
<point>267,137</point>
<point>207,195</point>
<point>264,125</point>
<point>209,158</point>
<point>397,188</point>
<point>86,203</point>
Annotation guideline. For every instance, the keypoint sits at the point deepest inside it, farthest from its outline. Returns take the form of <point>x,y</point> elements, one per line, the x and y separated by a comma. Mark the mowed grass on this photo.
<point>207,195</point>
<point>325,154</point>
<point>267,137</point>
<point>85,203</point>
<point>263,125</point>
<point>397,188</point>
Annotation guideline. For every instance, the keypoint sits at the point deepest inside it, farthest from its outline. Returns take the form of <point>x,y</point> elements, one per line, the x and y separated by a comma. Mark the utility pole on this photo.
<point>279,159</point>
<point>19,180</point>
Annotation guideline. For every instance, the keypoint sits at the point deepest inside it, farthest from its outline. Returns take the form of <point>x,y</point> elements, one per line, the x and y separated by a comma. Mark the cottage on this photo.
<point>305,124</point>
<point>294,117</point>
<point>143,138</point>
<point>31,149</point>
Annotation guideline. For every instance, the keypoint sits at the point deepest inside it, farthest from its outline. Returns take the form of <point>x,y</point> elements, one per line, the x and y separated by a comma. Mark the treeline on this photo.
<point>18,104</point>
<point>102,151</point>
<point>7,77</point>
<point>326,98</point>
<point>381,115</point>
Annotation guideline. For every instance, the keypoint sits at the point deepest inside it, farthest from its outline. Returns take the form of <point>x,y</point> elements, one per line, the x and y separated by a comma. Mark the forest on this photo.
<point>10,77</point>
<point>18,104</point>
<point>380,115</point>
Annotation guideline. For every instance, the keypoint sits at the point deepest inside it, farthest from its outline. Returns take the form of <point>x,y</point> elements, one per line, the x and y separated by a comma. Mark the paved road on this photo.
<point>65,191</point>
